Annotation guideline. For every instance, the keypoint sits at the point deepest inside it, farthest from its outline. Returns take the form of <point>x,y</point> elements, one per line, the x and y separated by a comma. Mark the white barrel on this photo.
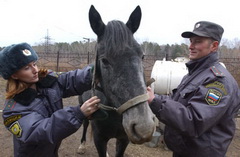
<point>167,75</point>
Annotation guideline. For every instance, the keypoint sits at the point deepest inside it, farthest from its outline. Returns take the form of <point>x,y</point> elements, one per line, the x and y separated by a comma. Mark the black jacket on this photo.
<point>199,115</point>
<point>38,120</point>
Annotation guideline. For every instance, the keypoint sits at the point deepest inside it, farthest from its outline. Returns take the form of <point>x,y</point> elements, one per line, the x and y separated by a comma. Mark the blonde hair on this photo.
<point>16,86</point>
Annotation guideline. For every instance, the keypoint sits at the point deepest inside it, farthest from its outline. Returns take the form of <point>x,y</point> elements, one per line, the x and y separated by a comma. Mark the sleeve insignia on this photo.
<point>11,119</point>
<point>10,104</point>
<point>16,129</point>
<point>218,85</point>
<point>213,97</point>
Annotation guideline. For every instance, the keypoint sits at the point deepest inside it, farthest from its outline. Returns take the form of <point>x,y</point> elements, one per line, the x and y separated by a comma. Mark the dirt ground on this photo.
<point>70,144</point>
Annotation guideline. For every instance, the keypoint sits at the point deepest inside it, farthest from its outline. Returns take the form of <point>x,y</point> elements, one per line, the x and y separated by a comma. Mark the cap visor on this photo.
<point>187,34</point>
<point>190,34</point>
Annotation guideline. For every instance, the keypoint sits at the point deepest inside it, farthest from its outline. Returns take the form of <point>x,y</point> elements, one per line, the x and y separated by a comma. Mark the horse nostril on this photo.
<point>154,118</point>
<point>133,127</point>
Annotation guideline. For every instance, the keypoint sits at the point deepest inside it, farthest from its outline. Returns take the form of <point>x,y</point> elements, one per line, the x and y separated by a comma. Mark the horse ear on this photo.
<point>96,21</point>
<point>134,19</point>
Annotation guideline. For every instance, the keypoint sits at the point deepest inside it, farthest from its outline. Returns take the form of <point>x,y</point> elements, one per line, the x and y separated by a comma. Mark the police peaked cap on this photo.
<point>205,29</point>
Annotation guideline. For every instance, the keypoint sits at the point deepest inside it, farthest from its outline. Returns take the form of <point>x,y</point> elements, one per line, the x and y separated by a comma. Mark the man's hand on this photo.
<point>150,94</point>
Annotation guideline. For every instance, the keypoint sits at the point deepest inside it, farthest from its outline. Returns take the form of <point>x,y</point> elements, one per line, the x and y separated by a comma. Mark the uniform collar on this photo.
<point>202,63</point>
<point>47,81</point>
<point>29,94</point>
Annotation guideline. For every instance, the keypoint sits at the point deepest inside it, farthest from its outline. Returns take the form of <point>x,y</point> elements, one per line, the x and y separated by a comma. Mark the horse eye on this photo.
<point>143,57</point>
<point>105,61</point>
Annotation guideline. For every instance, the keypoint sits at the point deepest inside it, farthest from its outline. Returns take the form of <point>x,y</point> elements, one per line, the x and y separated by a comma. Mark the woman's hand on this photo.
<point>90,106</point>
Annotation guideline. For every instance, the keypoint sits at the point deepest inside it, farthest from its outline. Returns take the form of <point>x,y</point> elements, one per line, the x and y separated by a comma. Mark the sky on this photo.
<point>162,21</point>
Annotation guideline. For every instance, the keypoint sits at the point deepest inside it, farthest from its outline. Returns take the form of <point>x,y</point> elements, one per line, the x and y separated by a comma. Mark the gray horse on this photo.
<point>119,82</point>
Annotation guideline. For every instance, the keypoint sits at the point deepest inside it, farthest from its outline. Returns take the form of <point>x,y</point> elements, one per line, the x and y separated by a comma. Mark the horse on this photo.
<point>118,80</point>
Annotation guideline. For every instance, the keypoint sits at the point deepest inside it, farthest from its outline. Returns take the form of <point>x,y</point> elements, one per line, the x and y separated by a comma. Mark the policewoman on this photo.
<point>199,115</point>
<point>33,110</point>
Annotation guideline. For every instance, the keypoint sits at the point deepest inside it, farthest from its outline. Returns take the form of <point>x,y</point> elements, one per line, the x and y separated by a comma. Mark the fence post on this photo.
<point>57,68</point>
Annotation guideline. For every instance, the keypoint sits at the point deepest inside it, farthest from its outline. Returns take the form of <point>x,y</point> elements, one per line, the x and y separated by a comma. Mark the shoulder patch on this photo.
<point>213,97</point>
<point>54,73</point>
<point>11,119</point>
<point>218,85</point>
<point>10,104</point>
<point>16,129</point>
<point>217,72</point>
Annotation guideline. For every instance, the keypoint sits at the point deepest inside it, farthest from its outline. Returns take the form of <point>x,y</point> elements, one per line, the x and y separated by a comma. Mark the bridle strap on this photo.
<point>132,102</point>
<point>94,86</point>
<point>105,107</point>
<point>94,80</point>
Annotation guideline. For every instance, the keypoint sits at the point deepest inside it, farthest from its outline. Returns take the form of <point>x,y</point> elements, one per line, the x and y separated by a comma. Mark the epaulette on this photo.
<point>217,72</point>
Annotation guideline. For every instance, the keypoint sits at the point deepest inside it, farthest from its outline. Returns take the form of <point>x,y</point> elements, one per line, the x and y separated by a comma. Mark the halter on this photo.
<point>130,103</point>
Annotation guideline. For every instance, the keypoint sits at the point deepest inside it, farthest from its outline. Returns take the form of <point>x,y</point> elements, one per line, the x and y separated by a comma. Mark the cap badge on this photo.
<point>197,25</point>
<point>26,52</point>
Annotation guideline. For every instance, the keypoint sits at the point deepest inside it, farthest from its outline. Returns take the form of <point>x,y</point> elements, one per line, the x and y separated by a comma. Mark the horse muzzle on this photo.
<point>138,123</point>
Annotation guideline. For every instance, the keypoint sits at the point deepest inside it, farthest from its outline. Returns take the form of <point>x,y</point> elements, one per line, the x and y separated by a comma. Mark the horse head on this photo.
<point>120,72</point>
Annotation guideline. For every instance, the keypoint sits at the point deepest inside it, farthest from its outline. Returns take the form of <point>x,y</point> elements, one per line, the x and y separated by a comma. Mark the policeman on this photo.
<point>199,115</point>
<point>34,111</point>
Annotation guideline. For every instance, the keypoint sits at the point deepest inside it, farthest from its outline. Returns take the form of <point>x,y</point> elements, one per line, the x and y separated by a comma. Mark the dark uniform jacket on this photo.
<point>199,115</point>
<point>38,120</point>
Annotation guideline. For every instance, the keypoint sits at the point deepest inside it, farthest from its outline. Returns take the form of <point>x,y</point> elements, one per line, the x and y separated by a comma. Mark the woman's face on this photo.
<point>27,74</point>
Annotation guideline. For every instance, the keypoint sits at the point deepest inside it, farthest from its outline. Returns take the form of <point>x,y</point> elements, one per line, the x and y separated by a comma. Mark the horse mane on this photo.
<point>117,37</point>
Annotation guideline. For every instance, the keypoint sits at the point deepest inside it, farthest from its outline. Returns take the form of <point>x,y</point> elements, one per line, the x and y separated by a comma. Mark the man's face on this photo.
<point>201,46</point>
